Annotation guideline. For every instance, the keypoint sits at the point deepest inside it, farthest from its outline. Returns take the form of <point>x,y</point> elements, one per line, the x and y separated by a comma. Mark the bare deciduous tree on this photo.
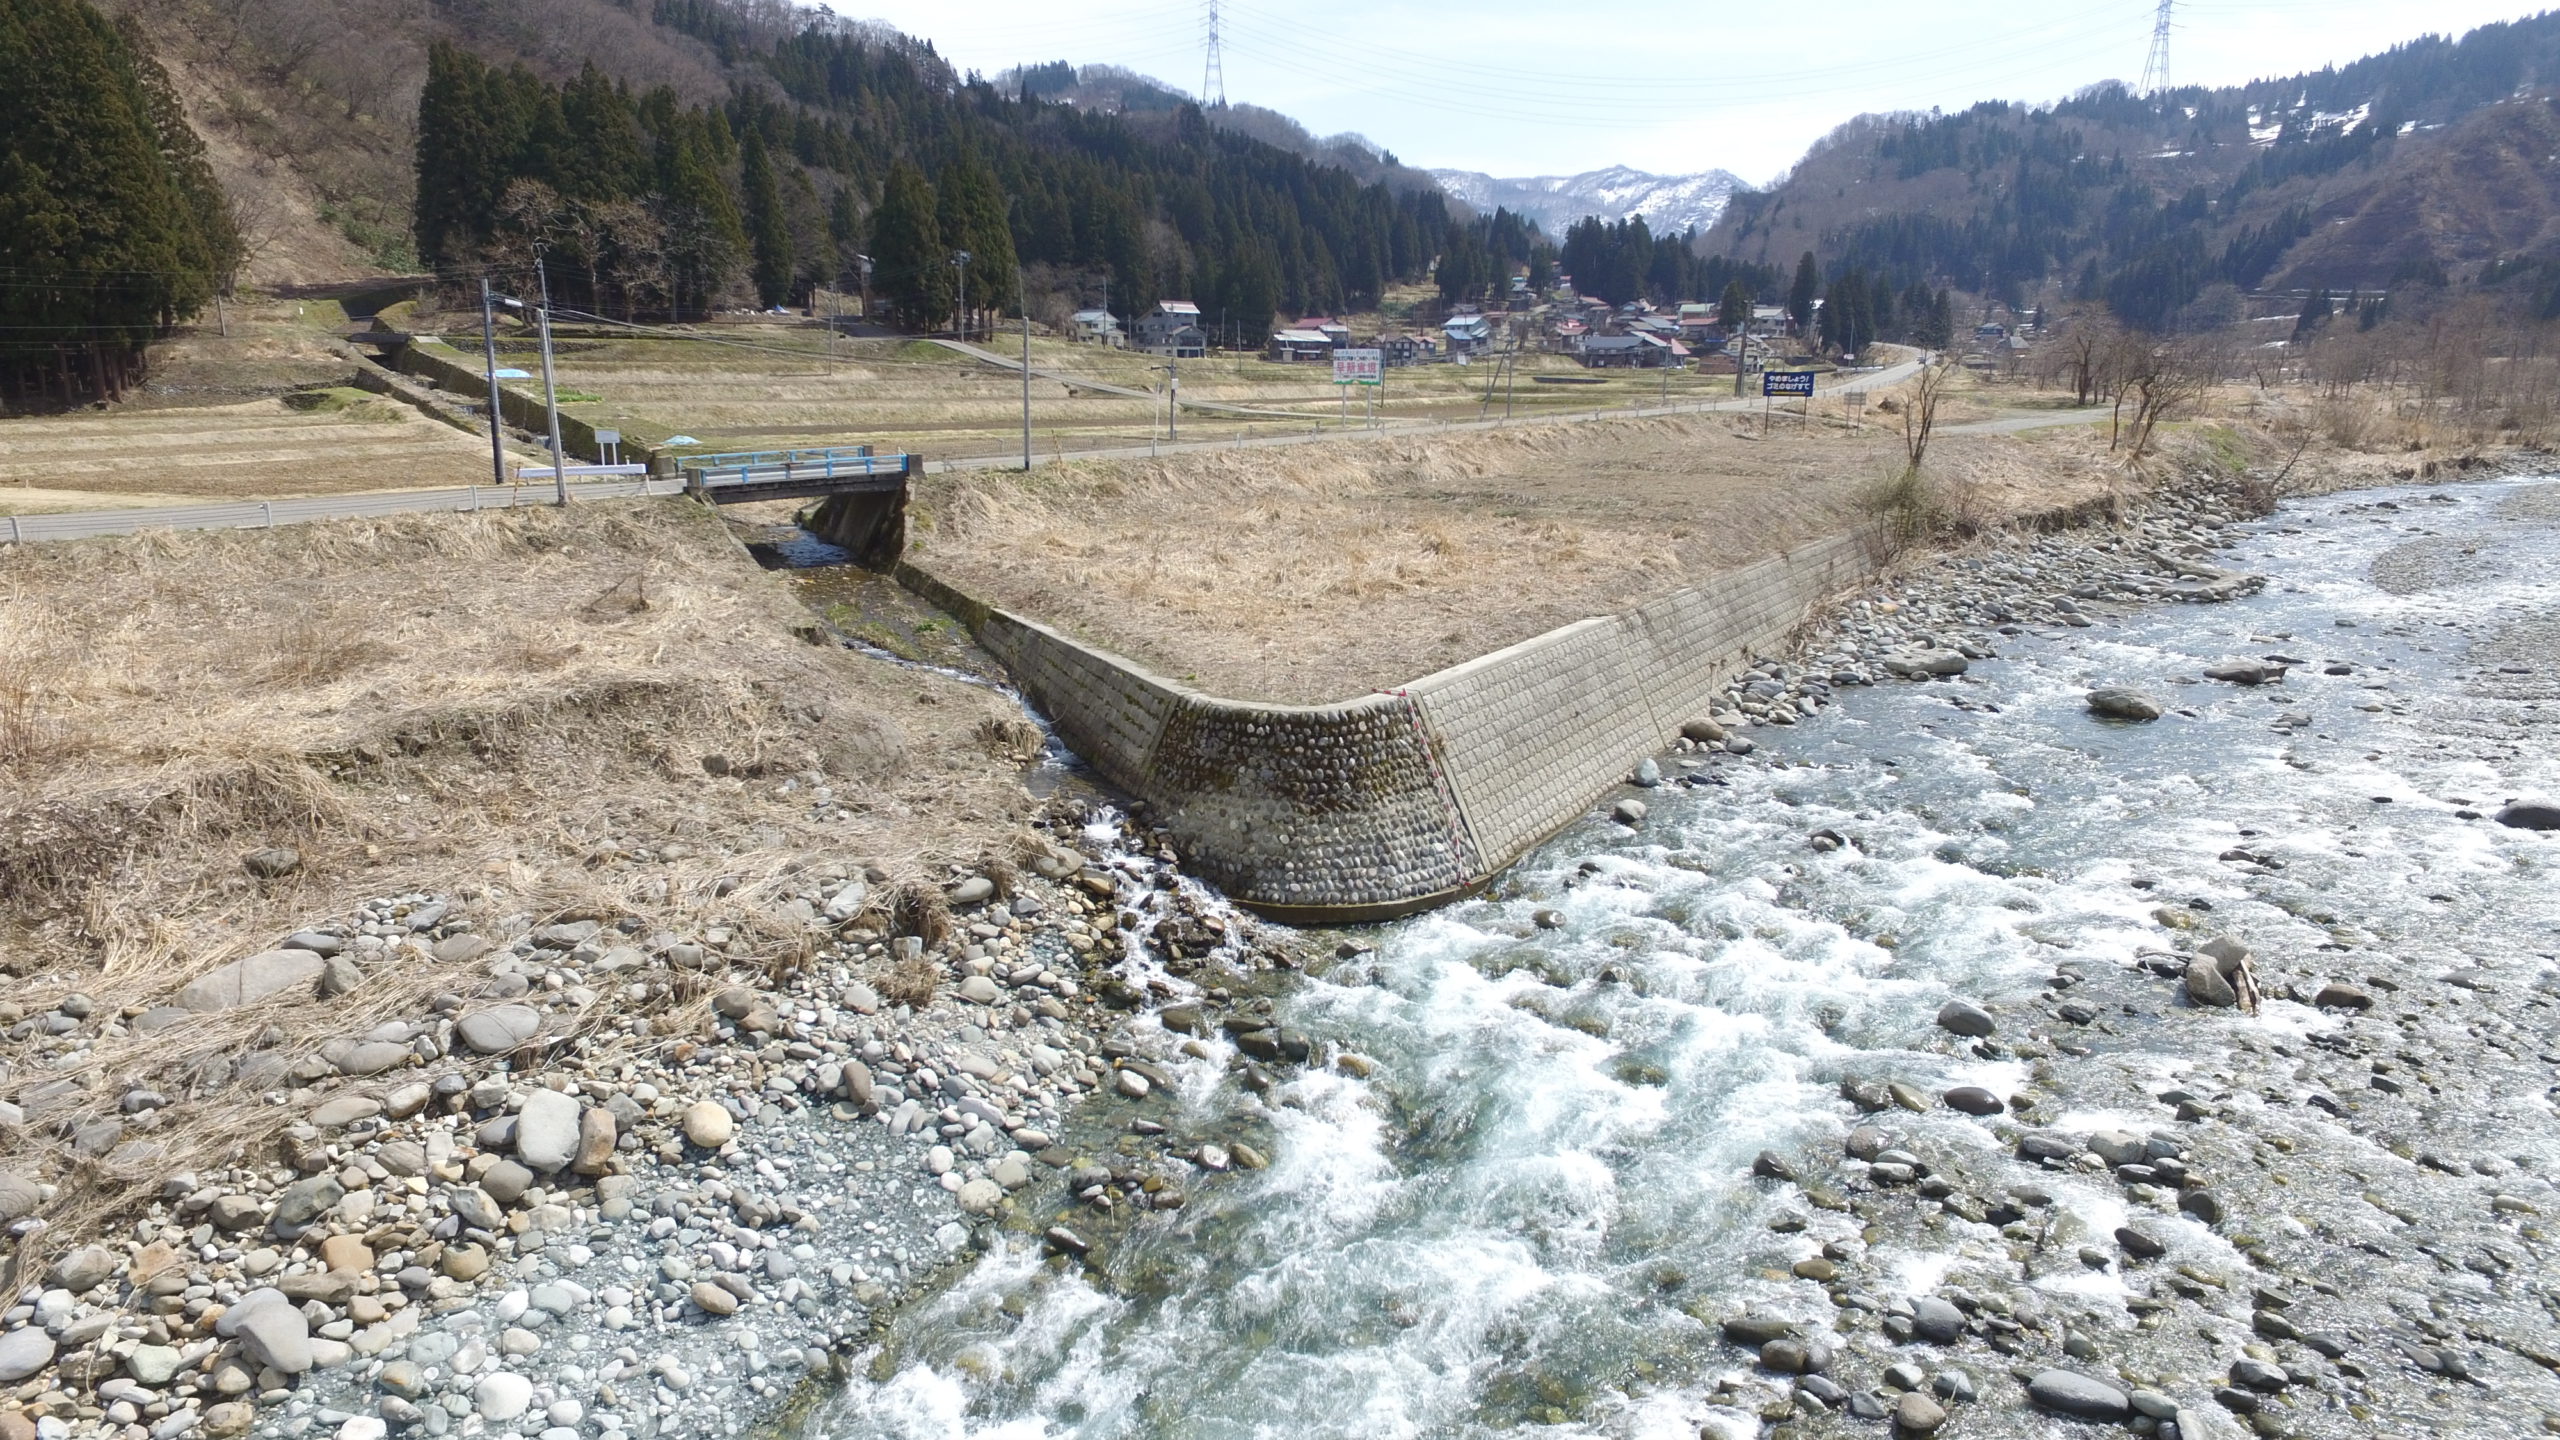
<point>1920,409</point>
<point>2161,380</point>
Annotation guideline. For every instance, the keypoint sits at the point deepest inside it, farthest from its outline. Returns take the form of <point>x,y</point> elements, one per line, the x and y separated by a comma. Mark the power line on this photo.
<point>2155,66</point>
<point>1310,57</point>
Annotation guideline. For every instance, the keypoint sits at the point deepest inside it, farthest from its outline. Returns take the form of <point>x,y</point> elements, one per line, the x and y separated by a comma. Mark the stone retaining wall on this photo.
<point>1397,801</point>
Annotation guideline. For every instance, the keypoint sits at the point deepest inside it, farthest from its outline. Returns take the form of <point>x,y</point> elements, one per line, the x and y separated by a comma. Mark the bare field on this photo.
<point>257,449</point>
<point>805,389</point>
<point>1316,573</point>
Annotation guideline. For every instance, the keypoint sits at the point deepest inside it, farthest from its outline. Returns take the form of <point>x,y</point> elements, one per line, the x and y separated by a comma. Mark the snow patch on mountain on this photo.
<point>1667,202</point>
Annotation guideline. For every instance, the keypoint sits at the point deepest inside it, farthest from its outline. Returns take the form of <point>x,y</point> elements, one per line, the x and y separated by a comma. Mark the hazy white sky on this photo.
<point>1521,87</point>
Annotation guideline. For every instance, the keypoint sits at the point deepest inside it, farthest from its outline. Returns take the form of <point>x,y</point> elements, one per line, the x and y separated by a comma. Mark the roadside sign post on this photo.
<point>1776,383</point>
<point>1365,367</point>
<point>489,351</point>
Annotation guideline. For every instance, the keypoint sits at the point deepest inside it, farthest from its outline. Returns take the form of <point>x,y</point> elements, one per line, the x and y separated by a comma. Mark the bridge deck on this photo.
<point>796,475</point>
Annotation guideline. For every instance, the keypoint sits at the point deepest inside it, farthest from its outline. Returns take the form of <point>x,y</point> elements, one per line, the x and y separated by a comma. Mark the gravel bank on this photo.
<point>536,1209</point>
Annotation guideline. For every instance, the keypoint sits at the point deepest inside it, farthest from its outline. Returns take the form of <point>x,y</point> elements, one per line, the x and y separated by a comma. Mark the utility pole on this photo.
<point>1026,382</point>
<point>1173,395</point>
<point>489,353</point>
<point>960,262</point>
<point>551,393</point>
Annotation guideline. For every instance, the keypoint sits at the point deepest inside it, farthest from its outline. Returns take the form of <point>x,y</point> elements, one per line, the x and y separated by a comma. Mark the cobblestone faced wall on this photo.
<point>1393,802</point>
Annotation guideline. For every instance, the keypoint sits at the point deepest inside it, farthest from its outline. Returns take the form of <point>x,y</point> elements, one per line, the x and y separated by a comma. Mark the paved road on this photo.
<point>266,514</point>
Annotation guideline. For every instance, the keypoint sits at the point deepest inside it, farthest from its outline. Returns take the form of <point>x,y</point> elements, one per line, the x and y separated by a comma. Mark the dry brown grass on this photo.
<point>493,707</point>
<point>1315,573</point>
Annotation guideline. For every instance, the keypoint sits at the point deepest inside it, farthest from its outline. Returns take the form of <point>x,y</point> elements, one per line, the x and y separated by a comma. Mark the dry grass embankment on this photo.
<point>1315,573</point>
<point>512,708</point>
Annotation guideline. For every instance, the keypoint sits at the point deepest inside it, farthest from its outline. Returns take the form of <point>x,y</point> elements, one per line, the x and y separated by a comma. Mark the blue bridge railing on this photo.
<point>764,467</point>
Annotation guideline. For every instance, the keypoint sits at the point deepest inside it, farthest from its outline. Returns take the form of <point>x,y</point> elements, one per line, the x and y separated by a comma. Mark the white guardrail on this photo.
<point>574,472</point>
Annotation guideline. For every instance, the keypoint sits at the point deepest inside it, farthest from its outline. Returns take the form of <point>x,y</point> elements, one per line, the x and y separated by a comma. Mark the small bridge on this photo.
<point>862,496</point>
<point>748,475</point>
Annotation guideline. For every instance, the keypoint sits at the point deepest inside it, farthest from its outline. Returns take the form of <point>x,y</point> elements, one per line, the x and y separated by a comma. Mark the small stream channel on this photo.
<point>1544,1179</point>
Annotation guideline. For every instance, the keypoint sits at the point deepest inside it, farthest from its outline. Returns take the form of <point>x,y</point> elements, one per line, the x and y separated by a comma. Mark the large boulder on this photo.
<point>1963,1017</point>
<point>2246,672</point>
<point>1926,664</point>
<point>19,1197</point>
<point>2117,703</point>
<point>251,979</point>
<point>547,1131</point>
<point>2531,815</point>
<point>275,1334</point>
<point>84,1269</point>
<point>498,1029</point>
<point>24,1353</point>
<point>2206,985</point>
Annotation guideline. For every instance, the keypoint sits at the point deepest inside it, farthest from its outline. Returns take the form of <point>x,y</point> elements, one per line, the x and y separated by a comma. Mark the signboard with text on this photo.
<point>1358,367</point>
<point>1779,383</point>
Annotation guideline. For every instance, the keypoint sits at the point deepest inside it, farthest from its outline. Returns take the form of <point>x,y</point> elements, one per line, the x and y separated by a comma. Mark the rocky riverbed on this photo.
<point>1924,1045</point>
<point>1921,1044</point>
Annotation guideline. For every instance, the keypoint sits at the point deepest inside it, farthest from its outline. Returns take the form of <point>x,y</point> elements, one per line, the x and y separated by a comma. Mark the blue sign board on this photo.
<point>1786,382</point>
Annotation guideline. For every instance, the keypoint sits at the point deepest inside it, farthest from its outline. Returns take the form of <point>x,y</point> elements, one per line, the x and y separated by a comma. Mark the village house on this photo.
<point>1336,334</point>
<point>1402,350</point>
<point>1566,335</point>
<point>1173,329</point>
<point>1468,334</point>
<point>1096,327</point>
<point>1299,346</point>
<point>1627,352</point>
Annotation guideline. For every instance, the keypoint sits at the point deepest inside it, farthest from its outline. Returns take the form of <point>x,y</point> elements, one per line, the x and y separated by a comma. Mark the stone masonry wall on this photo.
<point>1393,802</point>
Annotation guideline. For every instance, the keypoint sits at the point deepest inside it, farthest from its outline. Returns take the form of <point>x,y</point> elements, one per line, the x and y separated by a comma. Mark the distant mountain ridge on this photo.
<point>1668,203</point>
<point>2437,160</point>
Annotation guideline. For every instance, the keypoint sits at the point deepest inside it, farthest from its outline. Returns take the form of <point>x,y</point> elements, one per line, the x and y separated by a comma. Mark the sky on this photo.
<point>1531,87</point>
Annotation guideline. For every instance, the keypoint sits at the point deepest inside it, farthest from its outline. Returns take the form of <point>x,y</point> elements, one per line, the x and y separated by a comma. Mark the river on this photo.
<point>1531,1202</point>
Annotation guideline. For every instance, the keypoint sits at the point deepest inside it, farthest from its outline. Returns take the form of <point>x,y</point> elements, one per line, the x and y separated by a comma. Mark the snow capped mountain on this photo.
<point>1667,202</point>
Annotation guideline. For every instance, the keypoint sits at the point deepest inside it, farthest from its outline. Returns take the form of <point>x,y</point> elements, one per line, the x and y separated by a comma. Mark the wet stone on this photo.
<point>1963,1017</point>
<point>2079,1396</point>
<point>1936,1321</point>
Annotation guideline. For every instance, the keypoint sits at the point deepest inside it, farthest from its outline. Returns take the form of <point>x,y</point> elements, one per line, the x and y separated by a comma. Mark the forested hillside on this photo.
<point>836,141</point>
<point>2428,160</point>
<point>112,228</point>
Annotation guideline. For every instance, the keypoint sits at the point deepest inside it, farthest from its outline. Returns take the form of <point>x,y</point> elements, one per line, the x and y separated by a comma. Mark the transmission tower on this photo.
<point>2155,67</point>
<point>1213,72</point>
